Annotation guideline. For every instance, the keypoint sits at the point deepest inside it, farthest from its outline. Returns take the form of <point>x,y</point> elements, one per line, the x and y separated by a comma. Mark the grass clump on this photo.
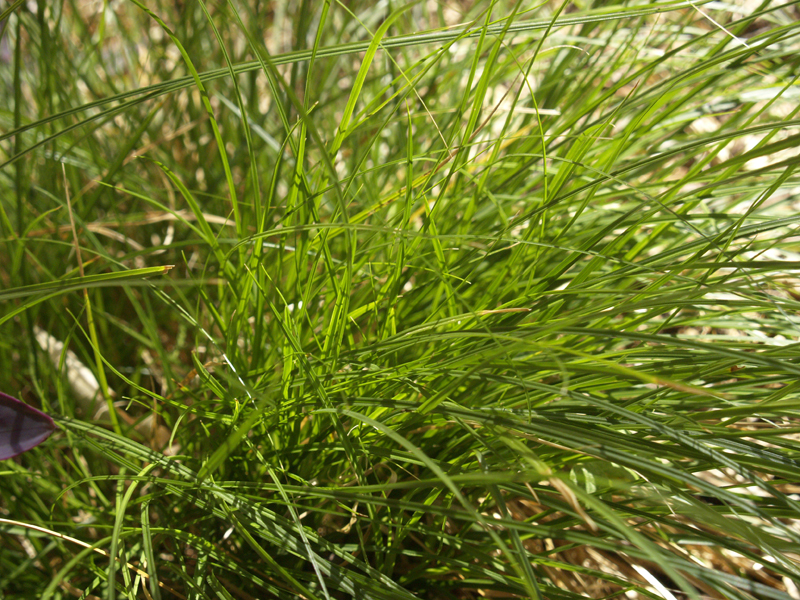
<point>481,301</point>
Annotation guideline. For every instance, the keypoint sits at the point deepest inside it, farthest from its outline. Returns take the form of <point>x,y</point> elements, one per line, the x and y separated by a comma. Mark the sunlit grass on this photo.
<point>401,301</point>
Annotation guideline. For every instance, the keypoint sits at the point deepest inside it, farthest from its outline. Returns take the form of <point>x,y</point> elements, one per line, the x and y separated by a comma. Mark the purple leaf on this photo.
<point>22,427</point>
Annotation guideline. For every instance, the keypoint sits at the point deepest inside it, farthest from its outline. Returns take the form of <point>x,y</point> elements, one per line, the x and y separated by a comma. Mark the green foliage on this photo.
<point>429,300</point>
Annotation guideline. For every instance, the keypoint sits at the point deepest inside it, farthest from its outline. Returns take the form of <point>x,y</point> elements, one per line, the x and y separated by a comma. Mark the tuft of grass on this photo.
<point>401,301</point>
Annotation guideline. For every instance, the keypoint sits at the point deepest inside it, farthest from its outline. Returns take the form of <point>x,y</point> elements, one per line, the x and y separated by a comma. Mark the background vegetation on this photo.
<point>401,300</point>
